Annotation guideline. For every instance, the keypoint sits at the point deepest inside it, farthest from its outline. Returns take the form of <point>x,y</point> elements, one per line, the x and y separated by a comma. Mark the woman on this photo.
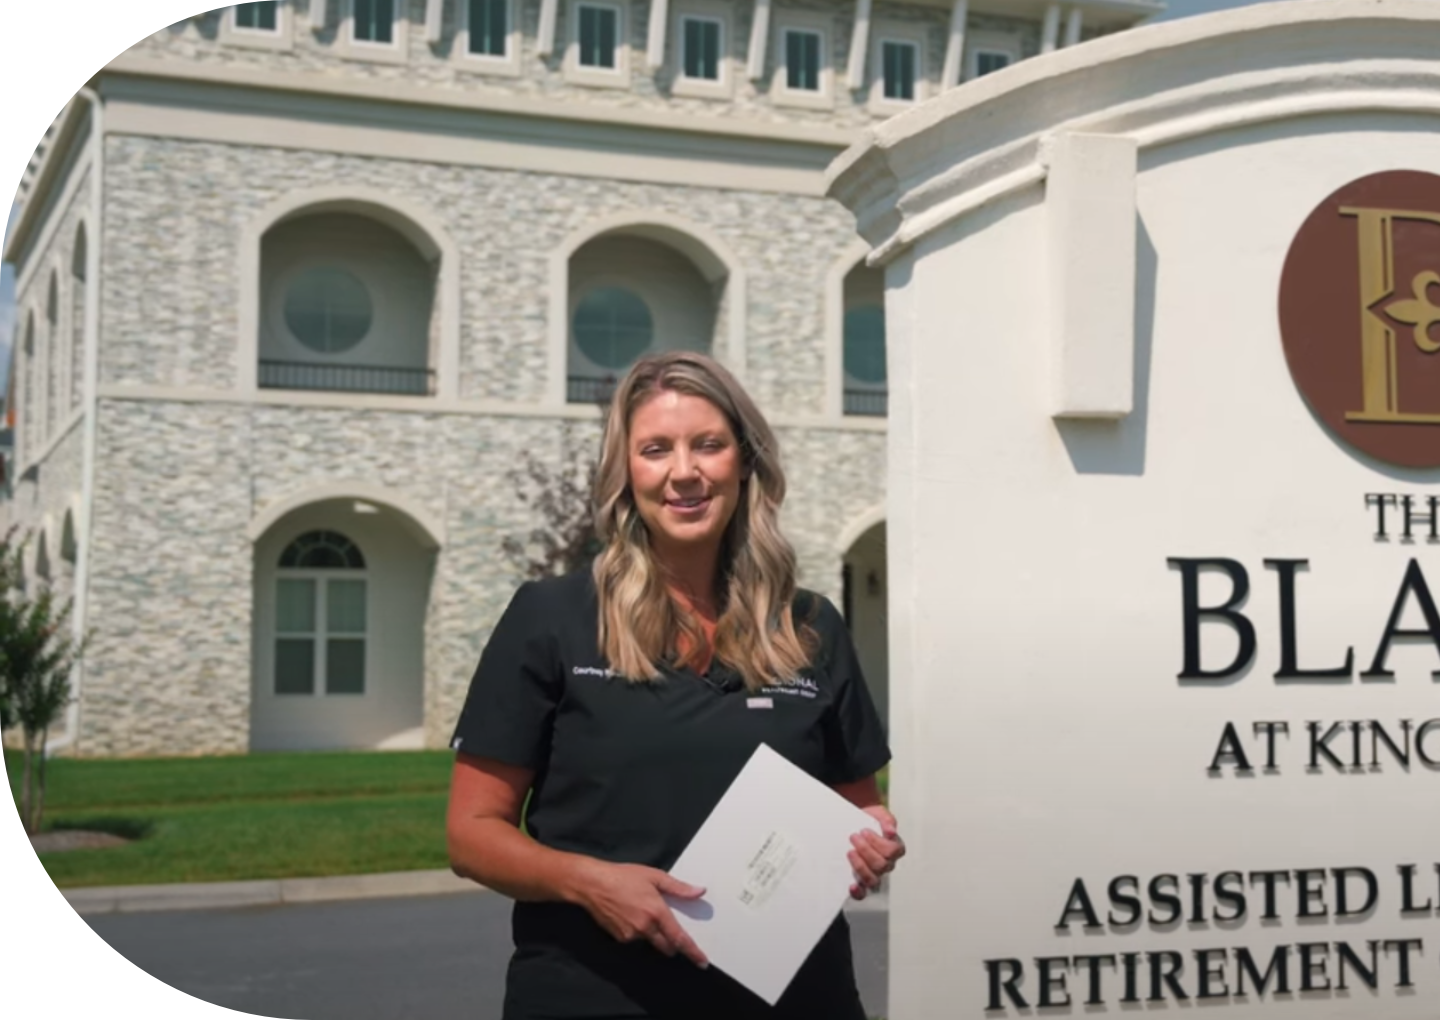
<point>622,701</point>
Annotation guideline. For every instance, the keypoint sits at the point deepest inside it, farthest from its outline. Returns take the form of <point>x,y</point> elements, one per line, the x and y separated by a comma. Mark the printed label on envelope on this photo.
<point>767,869</point>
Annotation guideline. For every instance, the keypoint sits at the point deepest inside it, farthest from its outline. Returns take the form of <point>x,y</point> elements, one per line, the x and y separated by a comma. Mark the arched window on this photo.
<point>69,552</point>
<point>79,262</point>
<point>347,303</point>
<point>50,352</point>
<point>25,417</point>
<point>633,291</point>
<point>42,557</point>
<point>320,616</point>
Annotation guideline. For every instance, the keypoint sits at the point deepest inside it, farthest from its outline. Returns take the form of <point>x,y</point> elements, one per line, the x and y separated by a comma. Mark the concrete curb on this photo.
<point>127,899</point>
<point>134,899</point>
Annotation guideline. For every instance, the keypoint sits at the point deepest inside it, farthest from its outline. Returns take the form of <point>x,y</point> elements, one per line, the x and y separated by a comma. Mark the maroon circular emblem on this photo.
<point>1360,315</point>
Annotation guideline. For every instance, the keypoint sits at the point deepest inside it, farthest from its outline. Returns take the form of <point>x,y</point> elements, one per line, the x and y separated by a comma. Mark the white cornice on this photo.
<point>1158,84</point>
<point>304,399</point>
<point>406,93</point>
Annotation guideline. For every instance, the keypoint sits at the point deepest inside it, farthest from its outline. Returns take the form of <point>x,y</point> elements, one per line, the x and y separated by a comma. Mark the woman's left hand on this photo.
<point>873,857</point>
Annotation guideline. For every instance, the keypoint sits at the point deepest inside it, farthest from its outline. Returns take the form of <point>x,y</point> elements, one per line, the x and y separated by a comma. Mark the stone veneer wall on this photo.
<point>175,211</point>
<point>171,589</point>
<point>198,40</point>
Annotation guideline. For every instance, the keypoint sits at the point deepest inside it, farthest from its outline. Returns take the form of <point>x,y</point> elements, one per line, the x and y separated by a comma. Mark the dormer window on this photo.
<point>488,24</point>
<point>899,63</point>
<point>700,48</point>
<point>264,26</point>
<point>988,63</point>
<point>374,22</point>
<point>802,60</point>
<point>258,17</point>
<point>599,33</point>
<point>991,51</point>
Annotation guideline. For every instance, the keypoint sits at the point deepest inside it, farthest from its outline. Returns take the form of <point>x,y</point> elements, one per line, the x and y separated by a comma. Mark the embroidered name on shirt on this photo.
<point>592,671</point>
<point>759,702</point>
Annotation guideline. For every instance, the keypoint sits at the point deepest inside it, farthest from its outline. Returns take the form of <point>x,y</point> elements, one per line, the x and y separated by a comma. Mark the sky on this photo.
<point>1175,9</point>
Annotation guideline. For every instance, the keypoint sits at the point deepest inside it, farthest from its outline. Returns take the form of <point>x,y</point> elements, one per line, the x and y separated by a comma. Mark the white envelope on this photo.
<point>772,860</point>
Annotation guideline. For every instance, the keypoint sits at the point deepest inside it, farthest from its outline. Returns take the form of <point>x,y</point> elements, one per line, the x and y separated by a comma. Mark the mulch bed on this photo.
<point>74,839</point>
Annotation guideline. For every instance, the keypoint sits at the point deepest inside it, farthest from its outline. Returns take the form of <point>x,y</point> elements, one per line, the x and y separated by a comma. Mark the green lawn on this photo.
<point>248,817</point>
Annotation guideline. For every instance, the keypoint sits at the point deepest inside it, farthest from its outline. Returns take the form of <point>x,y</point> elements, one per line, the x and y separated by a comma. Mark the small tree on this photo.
<point>37,654</point>
<point>563,538</point>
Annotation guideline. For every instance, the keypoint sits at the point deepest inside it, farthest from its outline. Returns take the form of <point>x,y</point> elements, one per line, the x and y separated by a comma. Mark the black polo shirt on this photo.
<point>628,772</point>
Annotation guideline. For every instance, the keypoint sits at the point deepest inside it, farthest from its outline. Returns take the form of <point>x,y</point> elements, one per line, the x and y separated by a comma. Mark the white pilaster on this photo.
<point>1073,23</point>
<point>545,31</point>
<point>1090,209</point>
<point>655,44</point>
<point>434,16</point>
<point>319,14</point>
<point>859,45</point>
<point>955,48</point>
<point>759,39</point>
<point>1050,29</point>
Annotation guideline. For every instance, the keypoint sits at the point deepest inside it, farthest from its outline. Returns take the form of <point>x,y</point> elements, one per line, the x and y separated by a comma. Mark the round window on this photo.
<point>613,327</point>
<point>865,344</point>
<point>328,310</point>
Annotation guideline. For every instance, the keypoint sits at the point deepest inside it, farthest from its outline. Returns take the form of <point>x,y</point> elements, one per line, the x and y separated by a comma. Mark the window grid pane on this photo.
<point>702,49</point>
<point>864,344</point>
<point>345,607</point>
<point>613,327</point>
<point>802,61</point>
<point>295,606</point>
<point>489,27</point>
<point>375,20</point>
<point>295,666</point>
<point>259,16</point>
<point>598,29</point>
<point>345,666</point>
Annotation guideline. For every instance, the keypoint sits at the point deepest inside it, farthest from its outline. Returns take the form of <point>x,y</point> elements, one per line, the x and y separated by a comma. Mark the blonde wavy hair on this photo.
<point>641,625</point>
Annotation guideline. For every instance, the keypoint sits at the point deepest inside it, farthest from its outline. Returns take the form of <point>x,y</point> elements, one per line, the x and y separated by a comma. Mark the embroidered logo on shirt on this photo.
<point>759,702</point>
<point>801,686</point>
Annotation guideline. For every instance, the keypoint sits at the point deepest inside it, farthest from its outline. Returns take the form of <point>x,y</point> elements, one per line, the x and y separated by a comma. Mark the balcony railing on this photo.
<point>586,389</point>
<point>871,403</point>
<point>307,375</point>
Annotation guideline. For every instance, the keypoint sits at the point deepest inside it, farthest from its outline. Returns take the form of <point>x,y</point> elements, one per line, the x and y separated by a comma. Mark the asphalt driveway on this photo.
<point>419,958</point>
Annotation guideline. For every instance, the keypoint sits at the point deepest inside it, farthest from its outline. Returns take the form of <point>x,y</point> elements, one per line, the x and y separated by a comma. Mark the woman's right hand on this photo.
<point>626,900</point>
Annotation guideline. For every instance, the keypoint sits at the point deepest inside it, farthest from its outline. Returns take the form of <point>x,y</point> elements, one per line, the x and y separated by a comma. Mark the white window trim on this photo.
<point>890,32</point>
<point>617,77</point>
<point>780,94</point>
<point>509,64</point>
<point>258,38</point>
<point>319,634</point>
<point>703,88</point>
<point>977,43</point>
<point>397,51</point>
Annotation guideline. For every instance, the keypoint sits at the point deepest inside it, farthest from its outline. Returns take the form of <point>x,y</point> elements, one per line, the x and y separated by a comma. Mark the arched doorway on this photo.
<point>342,587</point>
<point>865,597</point>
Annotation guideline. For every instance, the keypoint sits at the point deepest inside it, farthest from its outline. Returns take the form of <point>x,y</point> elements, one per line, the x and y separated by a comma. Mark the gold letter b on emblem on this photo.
<point>1380,375</point>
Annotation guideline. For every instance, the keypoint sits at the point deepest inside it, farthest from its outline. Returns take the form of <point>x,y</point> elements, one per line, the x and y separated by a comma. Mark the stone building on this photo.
<point>301,285</point>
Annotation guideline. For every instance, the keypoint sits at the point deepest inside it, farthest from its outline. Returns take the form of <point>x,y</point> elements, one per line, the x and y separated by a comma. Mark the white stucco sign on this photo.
<point>1164,316</point>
